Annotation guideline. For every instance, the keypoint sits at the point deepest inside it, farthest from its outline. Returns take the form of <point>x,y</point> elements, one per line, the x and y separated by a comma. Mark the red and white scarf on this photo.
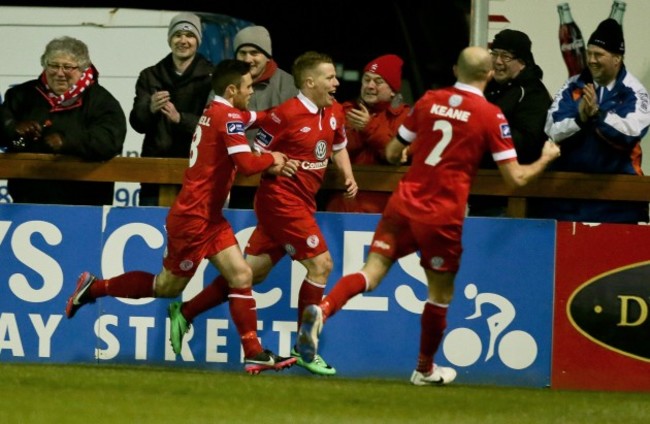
<point>72,97</point>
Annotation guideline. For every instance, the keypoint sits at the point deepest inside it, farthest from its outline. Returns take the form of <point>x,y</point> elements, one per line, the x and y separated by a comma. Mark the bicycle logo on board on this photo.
<point>463,346</point>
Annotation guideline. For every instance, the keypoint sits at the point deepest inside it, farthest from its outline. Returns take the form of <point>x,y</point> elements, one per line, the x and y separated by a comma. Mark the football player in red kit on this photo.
<point>447,132</point>
<point>309,130</point>
<point>196,227</point>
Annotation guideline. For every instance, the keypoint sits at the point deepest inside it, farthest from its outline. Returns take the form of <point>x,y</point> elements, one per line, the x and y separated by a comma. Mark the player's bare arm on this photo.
<point>516,175</point>
<point>341,159</point>
<point>396,152</point>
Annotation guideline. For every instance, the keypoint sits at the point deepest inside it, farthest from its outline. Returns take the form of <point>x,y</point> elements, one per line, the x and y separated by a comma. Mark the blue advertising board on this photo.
<point>499,325</point>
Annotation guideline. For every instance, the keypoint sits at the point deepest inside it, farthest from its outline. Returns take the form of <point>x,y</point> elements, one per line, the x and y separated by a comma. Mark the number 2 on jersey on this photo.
<point>436,153</point>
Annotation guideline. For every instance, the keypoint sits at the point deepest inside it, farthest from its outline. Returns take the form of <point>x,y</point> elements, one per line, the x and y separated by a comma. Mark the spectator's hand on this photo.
<point>551,150</point>
<point>29,130</point>
<point>158,100</point>
<point>358,118</point>
<point>54,140</point>
<point>351,188</point>
<point>588,105</point>
<point>170,112</point>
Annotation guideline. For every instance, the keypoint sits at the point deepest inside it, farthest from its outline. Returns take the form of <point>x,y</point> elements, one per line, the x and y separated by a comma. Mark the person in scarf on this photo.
<point>272,86</point>
<point>170,97</point>
<point>65,111</point>
<point>371,121</point>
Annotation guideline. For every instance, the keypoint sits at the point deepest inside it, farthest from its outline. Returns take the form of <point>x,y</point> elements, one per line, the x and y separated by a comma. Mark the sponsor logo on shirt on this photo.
<point>333,122</point>
<point>263,137</point>
<point>305,130</point>
<point>505,131</point>
<point>313,165</point>
<point>320,151</point>
<point>235,127</point>
<point>275,118</point>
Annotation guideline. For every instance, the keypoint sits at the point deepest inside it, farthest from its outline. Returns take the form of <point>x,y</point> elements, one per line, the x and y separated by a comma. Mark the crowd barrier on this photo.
<point>369,177</point>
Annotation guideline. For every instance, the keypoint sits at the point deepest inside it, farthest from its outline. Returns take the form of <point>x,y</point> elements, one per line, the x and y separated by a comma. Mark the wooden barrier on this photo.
<point>169,171</point>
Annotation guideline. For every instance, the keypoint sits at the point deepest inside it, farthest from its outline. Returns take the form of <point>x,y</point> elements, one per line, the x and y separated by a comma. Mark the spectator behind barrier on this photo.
<point>170,97</point>
<point>272,86</point>
<point>371,121</point>
<point>599,118</point>
<point>66,111</point>
<point>518,90</point>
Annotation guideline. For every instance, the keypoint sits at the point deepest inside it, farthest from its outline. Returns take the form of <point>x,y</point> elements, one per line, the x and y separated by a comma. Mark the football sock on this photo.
<point>310,294</point>
<point>433,323</point>
<point>131,285</point>
<point>243,311</point>
<point>214,294</point>
<point>345,289</point>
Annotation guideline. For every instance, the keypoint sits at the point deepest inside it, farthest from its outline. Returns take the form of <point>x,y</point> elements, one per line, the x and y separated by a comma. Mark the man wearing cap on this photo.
<point>271,86</point>
<point>517,88</point>
<point>371,121</point>
<point>599,118</point>
<point>170,97</point>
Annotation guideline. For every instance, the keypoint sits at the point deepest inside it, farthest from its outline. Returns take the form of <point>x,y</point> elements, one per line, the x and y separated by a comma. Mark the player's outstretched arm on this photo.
<point>396,152</point>
<point>517,175</point>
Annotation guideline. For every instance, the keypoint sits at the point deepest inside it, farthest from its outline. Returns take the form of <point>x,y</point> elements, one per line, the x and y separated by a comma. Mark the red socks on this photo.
<point>214,294</point>
<point>132,285</point>
<point>243,311</point>
<point>433,323</point>
<point>344,289</point>
<point>310,294</point>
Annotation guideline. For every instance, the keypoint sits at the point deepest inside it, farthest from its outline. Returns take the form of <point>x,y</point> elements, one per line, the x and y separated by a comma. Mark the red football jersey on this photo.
<point>449,130</point>
<point>211,172</point>
<point>300,130</point>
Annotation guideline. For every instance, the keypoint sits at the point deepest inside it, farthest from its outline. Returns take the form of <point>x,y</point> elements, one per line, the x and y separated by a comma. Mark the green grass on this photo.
<point>95,394</point>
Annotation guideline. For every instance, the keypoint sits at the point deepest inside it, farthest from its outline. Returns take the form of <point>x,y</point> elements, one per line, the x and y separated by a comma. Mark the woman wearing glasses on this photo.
<point>64,110</point>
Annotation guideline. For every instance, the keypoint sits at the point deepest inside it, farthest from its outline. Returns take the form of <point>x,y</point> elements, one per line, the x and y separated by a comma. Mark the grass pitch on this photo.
<point>36,393</point>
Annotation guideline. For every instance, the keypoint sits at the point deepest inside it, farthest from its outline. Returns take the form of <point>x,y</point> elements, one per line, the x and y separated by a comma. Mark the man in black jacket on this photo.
<point>517,88</point>
<point>170,97</point>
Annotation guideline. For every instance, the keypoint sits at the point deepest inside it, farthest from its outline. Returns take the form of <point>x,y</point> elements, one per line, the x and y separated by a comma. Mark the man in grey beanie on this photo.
<point>170,97</point>
<point>271,86</point>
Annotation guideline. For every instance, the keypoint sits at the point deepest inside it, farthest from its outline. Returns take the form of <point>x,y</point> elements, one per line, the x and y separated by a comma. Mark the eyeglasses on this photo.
<point>55,67</point>
<point>505,57</point>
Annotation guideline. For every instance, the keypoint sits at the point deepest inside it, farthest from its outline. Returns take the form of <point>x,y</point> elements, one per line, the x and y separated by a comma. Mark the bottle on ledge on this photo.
<point>572,45</point>
<point>618,10</point>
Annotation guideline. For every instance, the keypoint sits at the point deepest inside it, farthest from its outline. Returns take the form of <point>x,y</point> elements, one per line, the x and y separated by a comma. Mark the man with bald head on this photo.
<point>447,133</point>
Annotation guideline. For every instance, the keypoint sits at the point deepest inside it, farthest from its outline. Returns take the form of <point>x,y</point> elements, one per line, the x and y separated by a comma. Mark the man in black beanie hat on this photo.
<point>600,117</point>
<point>517,88</point>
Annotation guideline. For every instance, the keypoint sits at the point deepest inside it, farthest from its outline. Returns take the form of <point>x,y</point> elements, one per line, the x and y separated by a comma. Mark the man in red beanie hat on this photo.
<point>371,121</point>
